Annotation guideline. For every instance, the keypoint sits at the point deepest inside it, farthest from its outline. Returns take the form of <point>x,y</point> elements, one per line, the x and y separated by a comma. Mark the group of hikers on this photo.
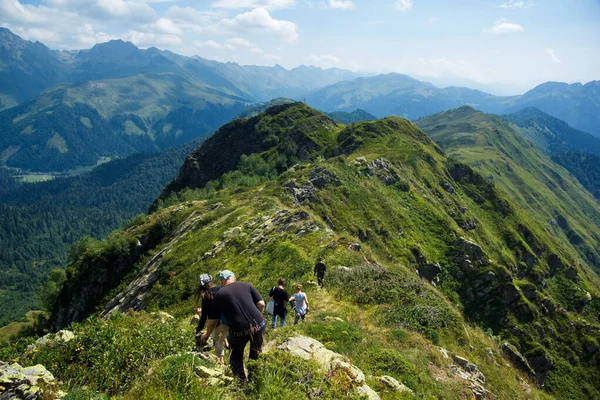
<point>232,314</point>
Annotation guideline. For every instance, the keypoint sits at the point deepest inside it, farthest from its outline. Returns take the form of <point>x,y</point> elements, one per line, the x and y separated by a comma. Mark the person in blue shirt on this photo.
<point>301,304</point>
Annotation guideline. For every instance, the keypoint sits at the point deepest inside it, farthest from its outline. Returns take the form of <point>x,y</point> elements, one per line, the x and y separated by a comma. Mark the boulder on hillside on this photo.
<point>394,385</point>
<point>30,383</point>
<point>63,335</point>
<point>308,348</point>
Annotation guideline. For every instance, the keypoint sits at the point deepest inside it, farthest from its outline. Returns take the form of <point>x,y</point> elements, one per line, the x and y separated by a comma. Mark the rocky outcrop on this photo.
<point>469,373</point>
<point>516,358</point>
<point>310,349</point>
<point>393,384</point>
<point>62,336</point>
<point>541,364</point>
<point>319,179</point>
<point>379,167</point>
<point>134,296</point>
<point>30,383</point>
<point>425,269</point>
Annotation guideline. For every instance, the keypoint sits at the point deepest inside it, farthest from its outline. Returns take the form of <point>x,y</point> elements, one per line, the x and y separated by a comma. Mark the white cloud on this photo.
<point>150,39</point>
<point>239,42</point>
<point>257,20</point>
<point>553,56</point>
<point>272,57</point>
<point>342,4</point>
<point>403,5</point>
<point>127,10</point>
<point>189,15</point>
<point>242,4</point>
<point>324,61</point>
<point>211,44</point>
<point>516,4</point>
<point>434,20</point>
<point>504,26</point>
<point>167,26</point>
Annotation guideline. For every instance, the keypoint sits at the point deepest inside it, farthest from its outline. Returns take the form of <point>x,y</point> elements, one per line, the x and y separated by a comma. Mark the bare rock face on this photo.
<point>308,348</point>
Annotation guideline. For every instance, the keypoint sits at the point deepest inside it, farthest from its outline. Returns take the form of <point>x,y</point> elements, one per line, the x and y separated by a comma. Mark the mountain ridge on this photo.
<point>383,202</point>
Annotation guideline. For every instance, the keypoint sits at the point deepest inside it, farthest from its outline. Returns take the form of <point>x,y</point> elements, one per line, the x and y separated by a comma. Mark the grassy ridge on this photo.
<point>248,221</point>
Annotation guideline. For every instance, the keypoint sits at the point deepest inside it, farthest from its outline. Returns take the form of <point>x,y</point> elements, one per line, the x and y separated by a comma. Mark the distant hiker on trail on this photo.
<point>301,304</point>
<point>242,306</point>
<point>280,297</point>
<point>320,270</point>
<point>207,290</point>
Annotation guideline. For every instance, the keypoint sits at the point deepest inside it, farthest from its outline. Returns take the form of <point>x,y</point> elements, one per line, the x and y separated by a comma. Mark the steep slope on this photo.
<point>551,134</point>
<point>540,186</point>
<point>39,222</point>
<point>380,200</point>
<point>576,151</point>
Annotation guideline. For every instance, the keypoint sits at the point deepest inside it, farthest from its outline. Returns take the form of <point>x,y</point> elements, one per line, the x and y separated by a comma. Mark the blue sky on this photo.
<point>504,46</point>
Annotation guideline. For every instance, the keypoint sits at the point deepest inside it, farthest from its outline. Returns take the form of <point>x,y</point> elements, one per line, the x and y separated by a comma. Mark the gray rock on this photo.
<point>472,250</point>
<point>429,271</point>
<point>465,364</point>
<point>541,364</point>
<point>321,177</point>
<point>366,391</point>
<point>355,247</point>
<point>393,384</point>
<point>510,294</point>
<point>232,233</point>
<point>21,383</point>
<point>447,187</point>
<point>516,358</point>
<point>63,335</point>
<point>308,348</point>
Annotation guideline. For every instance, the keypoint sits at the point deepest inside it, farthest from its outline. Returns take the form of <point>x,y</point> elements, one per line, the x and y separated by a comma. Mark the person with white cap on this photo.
<point>242,306</point>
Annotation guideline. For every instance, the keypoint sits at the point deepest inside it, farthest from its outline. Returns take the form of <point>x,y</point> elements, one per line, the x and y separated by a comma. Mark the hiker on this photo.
<point>242,306</point>
<point>301,304</point>
<point>320,270</point>
<point>280,297</point>
<point>207,291</point>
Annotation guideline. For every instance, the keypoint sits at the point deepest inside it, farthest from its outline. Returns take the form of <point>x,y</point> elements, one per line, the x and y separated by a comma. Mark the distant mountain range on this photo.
<point>396,94</point>
<point>67,109</point>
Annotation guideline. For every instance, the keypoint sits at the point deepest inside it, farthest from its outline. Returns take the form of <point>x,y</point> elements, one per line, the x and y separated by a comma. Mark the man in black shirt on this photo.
<point>281,297</point>
<point>242,306</point>
<point>320,270</point>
